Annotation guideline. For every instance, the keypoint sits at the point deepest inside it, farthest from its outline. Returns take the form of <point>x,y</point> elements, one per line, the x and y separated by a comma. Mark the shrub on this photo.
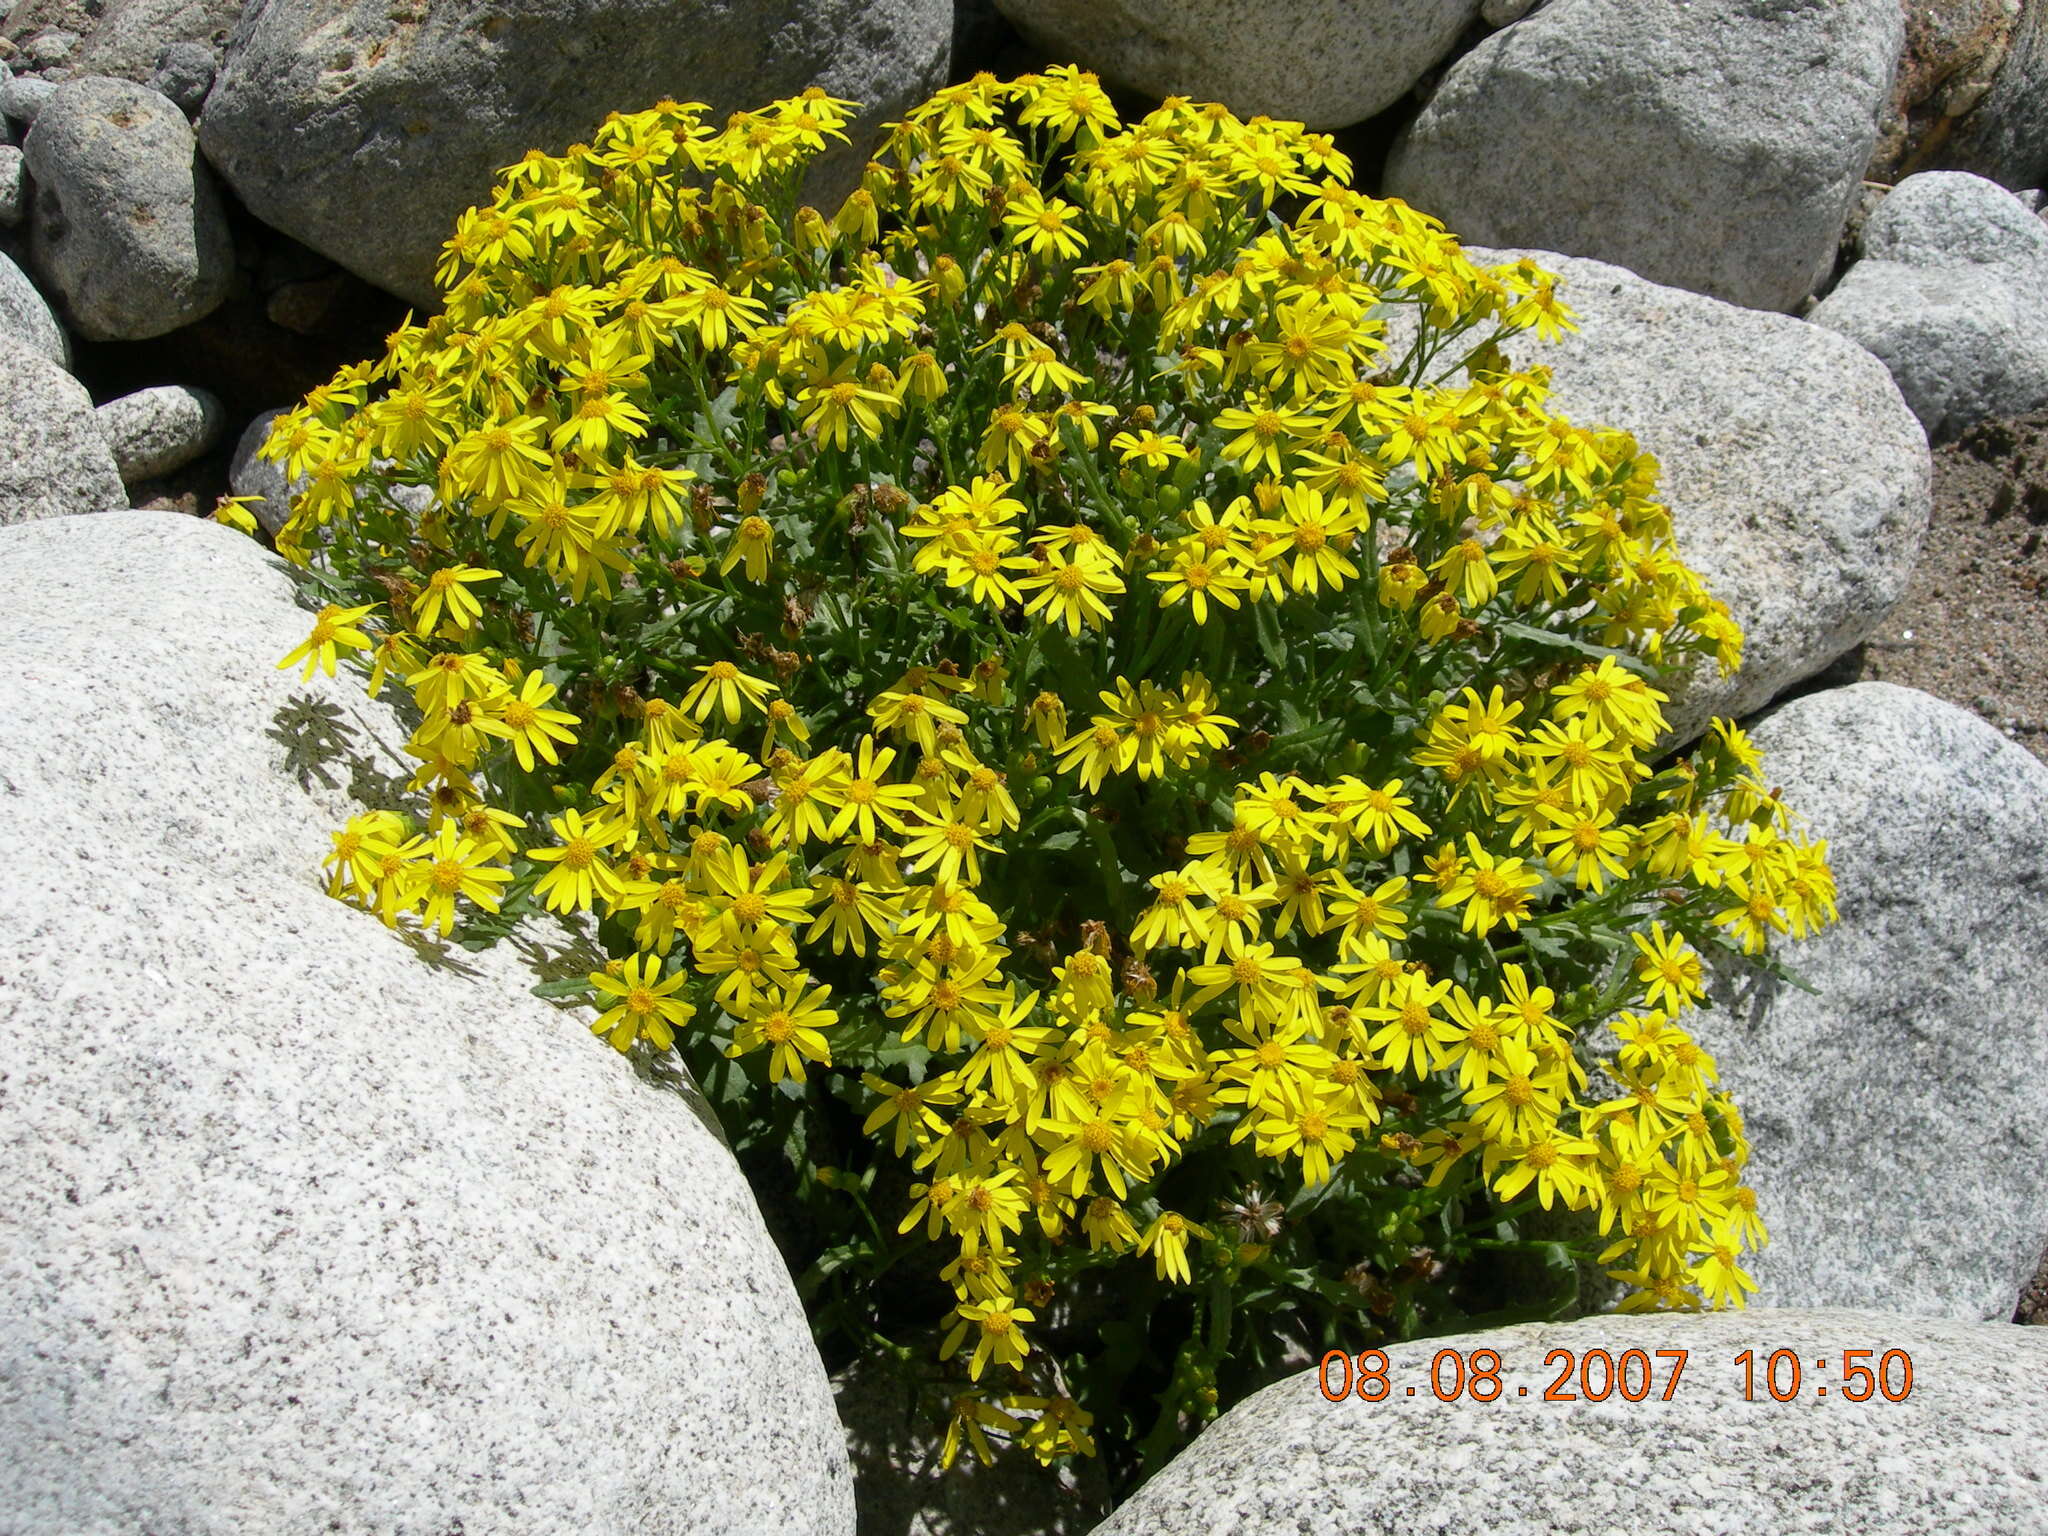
<point>1095,709</point>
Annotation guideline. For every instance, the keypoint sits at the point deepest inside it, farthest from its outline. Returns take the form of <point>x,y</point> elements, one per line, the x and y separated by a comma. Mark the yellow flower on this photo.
<point>527,722</point>
<point>643,1006</point>
<point>1166,1239</point>
<point>332,627</point>
<point>791,1022</point>
<point>449,588</point>
<point>724,688</point>
<point>1070,592</point>
<point>582,875</point>
<point>1492,891</point>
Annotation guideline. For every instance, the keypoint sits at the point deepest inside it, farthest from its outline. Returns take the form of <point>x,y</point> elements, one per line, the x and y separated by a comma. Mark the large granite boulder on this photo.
<point>1898,1117</point>
<point>1959,1452</point>
<point>1796,476</point>
<point>1952,294</point>
<point>1328,63</point>
<point>54,459</point>
<point>363,128</point>
<point>1715,145</point>
<point>308,1231</point>
<point>127,229</point>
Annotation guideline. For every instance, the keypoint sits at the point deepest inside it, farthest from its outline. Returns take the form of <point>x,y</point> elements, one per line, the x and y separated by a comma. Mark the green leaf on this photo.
<point>1266,627</point>
<point>568,986</point>
<point>1556,641</point>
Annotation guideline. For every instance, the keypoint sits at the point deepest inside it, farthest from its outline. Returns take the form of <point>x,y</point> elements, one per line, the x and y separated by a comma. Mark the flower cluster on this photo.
<point>1089,665</point>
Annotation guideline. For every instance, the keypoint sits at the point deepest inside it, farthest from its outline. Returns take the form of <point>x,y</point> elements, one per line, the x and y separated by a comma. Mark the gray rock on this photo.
<point>1964,343</point>
<point>1901,1152</point>
<point>47,50</point>
<point>1328,63</point>
<point>157,430</point>
<point>323,110</point>
<point>1500,13</point>
<point>1713,146</point>
<point>1797,479</point>
<point>1949,219</point>
<point>1952,294</point>
<point>184,73</point>
<point>26,319</point>
<point>306,1233</point>
<point>22,97</point>
<point>13,187</point>
<point>126,38</point>
<point>1958,1453</point>
<point>128,229</point>
<point>53,460</point>
<point>251,476</point>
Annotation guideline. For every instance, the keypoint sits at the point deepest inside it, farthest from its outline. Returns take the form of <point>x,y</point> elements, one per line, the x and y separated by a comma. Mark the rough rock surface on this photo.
<point>23,98</point>
<point>13,187</point>
<point>1328,63</point>
<point>127,230</point>
<point>54,461</point>
<point>1797,478</point>
<point>324,110</point>
<point>184,72</point>
<point>1901,1152</point>
<point>1638,132</point>
<point>159,429</point>
<point>2000,130</point>
<point>126,37</point>
<point>1953,51</point>
<point>1947,218</point>
<point>1952,294</point>
<point>1959,1453</point>
<point>303,1232</point>
<point>26,319</point>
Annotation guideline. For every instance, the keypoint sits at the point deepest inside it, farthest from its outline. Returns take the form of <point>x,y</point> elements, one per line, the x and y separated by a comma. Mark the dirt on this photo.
<point>1973,627</point>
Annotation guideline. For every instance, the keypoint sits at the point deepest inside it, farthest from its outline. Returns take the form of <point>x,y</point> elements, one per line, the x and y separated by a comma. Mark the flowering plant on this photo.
<point>1090,703</point>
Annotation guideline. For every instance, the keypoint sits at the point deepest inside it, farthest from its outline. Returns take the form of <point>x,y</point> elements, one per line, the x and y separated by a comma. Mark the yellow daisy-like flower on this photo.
<point>642,1004</point>
<point>724,688</point>
<point>333,628</point>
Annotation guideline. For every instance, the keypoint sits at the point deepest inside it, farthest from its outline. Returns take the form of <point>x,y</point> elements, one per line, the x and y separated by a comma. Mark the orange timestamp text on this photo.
<point>1634,1375</point>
